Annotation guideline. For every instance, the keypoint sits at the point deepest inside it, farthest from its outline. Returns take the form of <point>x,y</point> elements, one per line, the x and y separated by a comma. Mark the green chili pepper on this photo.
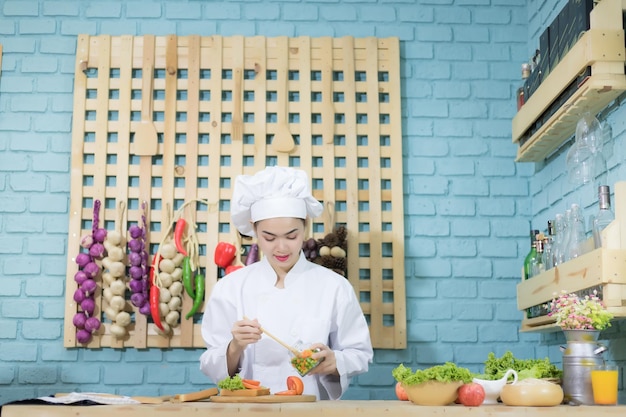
<point>197,301</point>
<point>187,277</point>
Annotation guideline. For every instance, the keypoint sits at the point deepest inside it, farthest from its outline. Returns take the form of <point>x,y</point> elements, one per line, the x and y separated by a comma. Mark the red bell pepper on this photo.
<point>231,268</point>
<point>224,254</point>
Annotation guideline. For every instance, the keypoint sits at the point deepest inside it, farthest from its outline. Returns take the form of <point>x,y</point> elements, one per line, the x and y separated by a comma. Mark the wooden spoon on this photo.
<point>146,138</point>
<point>283,141</point>
<point>290,348</point>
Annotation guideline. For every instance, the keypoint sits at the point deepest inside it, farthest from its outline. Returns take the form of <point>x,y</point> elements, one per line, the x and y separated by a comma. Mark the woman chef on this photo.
<point>297,300</point>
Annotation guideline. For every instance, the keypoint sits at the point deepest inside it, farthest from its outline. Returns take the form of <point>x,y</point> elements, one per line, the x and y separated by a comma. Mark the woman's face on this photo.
<point>280,240</point>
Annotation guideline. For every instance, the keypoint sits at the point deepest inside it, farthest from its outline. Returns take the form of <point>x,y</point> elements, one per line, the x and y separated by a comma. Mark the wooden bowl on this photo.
<point>529,394</point>
<point>433,392</point>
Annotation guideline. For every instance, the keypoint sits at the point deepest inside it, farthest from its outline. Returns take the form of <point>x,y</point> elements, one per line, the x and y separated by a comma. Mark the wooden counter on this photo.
<point>325,408</point>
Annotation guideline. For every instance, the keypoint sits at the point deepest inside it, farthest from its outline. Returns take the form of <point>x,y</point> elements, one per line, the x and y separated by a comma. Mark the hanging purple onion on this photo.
<point>99,235</point>
<point>134,259</point>
<point>82,259</point>
<point>91,269</point>
<point>88,305</point>
<point>79,296</point>
<point>79,320</point>
<point>89,287</point>
<point>80,277</point>
<point>92,324</point>
<point>135,231</point>
<point>86,241</point>
<point>83,336</point>
<point>96,250</point>
<point>138,299</point>
<point>136,286</point>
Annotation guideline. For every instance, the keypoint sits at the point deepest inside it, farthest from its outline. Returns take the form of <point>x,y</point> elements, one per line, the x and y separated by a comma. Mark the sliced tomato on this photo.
<point>296,384</point>
<point>286,392</point>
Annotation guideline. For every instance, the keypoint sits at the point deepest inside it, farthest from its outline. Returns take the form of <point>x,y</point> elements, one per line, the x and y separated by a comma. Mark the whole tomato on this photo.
<point>401,393</point>
<point>472,394</point>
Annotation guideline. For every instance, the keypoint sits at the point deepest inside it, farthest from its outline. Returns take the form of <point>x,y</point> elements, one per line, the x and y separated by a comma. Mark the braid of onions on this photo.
<point>84,320</point>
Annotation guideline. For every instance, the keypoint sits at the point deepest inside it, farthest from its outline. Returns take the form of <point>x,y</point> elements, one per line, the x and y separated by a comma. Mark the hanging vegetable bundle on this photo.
<point>88,270</point>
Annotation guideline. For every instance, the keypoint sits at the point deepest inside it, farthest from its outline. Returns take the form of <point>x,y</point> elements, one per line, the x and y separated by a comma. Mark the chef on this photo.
<point>299,302</point>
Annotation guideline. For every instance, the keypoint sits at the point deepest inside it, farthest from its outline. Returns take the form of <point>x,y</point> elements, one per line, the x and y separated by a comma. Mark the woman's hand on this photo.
<point>329,364</point>
<point>245,332</point>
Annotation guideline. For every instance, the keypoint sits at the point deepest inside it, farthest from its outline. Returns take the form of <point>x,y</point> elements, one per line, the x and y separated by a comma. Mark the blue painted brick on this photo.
<point>54,309</point>
<point>473,268</point>
<point>222,11</point>
<point>428,33</point>
<point>475,110</point>
<point>508,268</point>
<point>451,89</point>
<point>29,267</point>
<point>431,310</point>
<point>16,84</point>
<point>432,227</point>
<point>435,268</point>
<point>496,168</point>
<point>47,245</point>
<point>39,64</point>
<point>498,248</point>
<point>53,123</point>
<point>105,355</point>
<point>392,357</point>
<point>412,14</point>
<point>46,287</point>
<point>456,288</point>
<point>461,333</point>
<point>509,34</point>
<point>468,187</point>
<point>457,166</point>
<point>422,167</point>
<point>498,333</point>
<point>434,185</point>
<point>447,52</point>
<point>73,27</point>
<point>453,14</point>
<point>86,373</point>
<point>16,351</point>
<point>338,14</point>
<point>41,330</point>
<point>456,248</point>
<point>20,8</point>
<point>472,311</point>
<point>20,309</point>
<point>9,245</point>
<point>421,288</point>
<point>183,10</point>
<point>8,330</point>
<point>49,204</point>
<point>498,289</point>
<point>472,354</point>
<point>119,27</point>
<point>471,34</point>
<point>431,357</point>
<point>492,15</point>
<point>105,10</point>
<point>460,129</point>
<point>125,375</point>
<point>419,51</point>
<point>456,207</point>
<point>164,374</point>
<point>417,247</point>
<point>494,53</point>
<point>300,12</point>
<point>249,29</point>
<point>144,355</point>
<point>61,8</point>
<point>470,71</point>
<point>7,27</point>
<point>262,12</point>
<point>377,14</point>
<point>27,182</point>
<point>419,332</point>
<point>37,374</point>
<point>509,187</point>
<point>10,287</point>
<point>475,228</point>
<point>50,163</point>
<point>37,27</point>
<point>28,103</point>
<point>489,90</point>
<point>7,374</point>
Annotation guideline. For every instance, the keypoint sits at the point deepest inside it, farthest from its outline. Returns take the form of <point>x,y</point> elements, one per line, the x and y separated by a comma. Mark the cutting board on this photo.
<point>244,392</point>
<point>264,399</point>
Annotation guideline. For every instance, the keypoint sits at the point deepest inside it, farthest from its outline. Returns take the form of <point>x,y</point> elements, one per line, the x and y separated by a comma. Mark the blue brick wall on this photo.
<point>468,204</point>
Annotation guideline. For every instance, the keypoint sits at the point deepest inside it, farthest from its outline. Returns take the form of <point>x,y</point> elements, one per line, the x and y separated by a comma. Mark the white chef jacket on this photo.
<point>316,305</point>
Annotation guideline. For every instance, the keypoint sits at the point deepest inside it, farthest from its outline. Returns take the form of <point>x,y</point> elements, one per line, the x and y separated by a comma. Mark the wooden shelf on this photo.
<point>603,268</point>
<point>602,49</point>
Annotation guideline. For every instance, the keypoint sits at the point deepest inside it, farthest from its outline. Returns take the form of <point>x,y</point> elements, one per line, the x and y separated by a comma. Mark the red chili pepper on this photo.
<point>155,293</point>
<point>224,254</point>
<point>231,268</point>
<point>178,236</point>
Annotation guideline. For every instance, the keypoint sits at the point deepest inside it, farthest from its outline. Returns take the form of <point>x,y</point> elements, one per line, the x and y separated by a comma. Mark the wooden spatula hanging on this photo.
<point>146,138</point>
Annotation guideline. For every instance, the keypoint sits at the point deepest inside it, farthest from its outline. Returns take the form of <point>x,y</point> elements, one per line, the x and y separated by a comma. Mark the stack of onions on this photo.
<point>169,279</point>
<point>88,270</point>
<point>114,278</point>
<point>139,269</point>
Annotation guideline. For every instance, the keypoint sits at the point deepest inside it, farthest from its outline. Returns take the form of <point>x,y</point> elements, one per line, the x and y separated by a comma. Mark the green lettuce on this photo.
<point>231,383</point>
<point>447,372</point>
<point>495,368</point>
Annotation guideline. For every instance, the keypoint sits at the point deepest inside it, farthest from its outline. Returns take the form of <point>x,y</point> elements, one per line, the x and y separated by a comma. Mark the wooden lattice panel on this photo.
<point>217,104</point>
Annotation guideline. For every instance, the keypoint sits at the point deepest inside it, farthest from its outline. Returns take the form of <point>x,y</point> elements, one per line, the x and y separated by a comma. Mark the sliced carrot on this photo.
<point>296,384</point>
<point>252,381</point>
<point>286,392</point>
<point>306,353</point>
<point>248,385</point>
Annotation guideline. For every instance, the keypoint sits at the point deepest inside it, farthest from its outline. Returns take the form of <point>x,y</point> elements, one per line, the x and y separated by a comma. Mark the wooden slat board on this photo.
<point>216,103</point>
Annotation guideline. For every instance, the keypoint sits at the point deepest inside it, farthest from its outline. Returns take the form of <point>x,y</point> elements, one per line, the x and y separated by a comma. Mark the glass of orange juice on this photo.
<point>604,384</point>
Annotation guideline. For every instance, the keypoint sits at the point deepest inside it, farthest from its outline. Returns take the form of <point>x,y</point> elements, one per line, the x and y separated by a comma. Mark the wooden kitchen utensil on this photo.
<point>290,348</point>
<point>194,396</point>
<point>146,137</point>
<point>237,116</point>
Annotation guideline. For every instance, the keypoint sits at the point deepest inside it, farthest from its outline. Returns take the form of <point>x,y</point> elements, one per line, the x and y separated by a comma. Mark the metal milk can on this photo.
<point>581,354</point>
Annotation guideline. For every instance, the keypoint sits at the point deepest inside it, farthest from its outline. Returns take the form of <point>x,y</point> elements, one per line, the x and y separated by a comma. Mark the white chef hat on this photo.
<point>270,193</point>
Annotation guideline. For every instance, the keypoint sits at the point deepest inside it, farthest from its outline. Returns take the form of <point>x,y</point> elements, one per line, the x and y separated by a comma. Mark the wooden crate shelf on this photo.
<point>603,269</point>
<point>602,49</point>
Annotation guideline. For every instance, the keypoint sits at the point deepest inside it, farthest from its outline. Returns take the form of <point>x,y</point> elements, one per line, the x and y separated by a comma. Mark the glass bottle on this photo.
<point>576,244</point>
<point>536,264</point>
<point>567,230</point>
<point>521,94</point>
<point>557,244</point>
<point>548,242</point>
<point>604,216</point>
<point>531,254</point>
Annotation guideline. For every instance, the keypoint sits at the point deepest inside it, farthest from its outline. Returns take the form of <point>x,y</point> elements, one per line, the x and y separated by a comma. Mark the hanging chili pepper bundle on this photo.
<point>155,294</point>
<point>178,236</point>
<point>199,296</point>
<point>188,277</point>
